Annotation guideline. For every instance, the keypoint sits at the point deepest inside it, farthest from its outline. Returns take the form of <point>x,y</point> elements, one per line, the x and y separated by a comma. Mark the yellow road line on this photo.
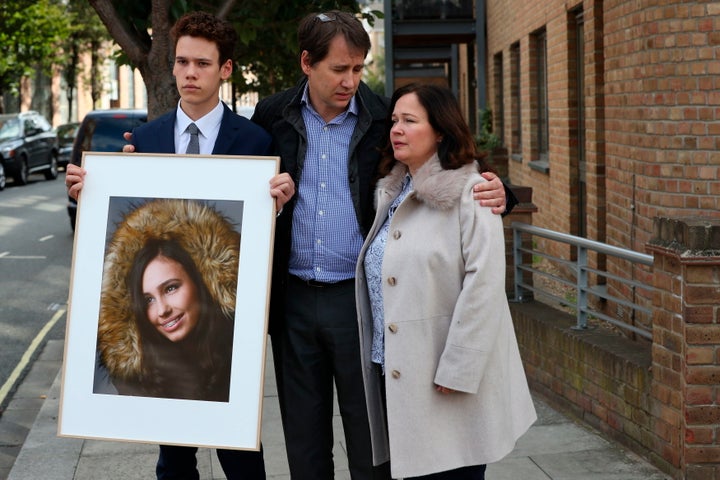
<point>25,360</point>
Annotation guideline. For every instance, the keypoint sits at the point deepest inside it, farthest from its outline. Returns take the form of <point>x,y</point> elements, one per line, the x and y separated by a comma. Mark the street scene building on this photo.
<point>605,121</point>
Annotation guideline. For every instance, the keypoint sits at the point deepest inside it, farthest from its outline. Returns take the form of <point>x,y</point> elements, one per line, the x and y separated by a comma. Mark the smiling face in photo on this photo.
<point>171,299</point>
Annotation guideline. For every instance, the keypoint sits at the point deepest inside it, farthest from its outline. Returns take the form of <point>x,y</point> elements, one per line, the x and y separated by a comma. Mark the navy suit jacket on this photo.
<point>237,136</point>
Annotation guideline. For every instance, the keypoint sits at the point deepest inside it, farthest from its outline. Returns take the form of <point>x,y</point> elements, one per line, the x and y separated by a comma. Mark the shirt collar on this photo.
<point>305,101</point>
<point>206,124</point>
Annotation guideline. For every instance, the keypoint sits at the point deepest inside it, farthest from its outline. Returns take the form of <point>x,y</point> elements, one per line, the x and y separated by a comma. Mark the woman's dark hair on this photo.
<point>317,30</point>
<point>457,147</point>
<point>210,341</point>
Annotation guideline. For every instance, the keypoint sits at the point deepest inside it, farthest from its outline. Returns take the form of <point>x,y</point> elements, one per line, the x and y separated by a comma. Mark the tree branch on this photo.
<point>225,8</point>
<point>130,42</point>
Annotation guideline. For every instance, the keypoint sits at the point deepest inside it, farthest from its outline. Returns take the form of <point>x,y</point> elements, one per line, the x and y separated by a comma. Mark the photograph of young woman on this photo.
<point>168,303</point>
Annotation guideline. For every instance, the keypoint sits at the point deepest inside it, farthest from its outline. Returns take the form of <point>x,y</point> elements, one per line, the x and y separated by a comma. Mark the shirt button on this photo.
<point>397,234</point>
<point>321,213</point>
<point>323,156</point>
<point>393,328</point>
<point>391,281</point>
<point>318,241</point>
<point>396,374</point>
<point>322,184</point>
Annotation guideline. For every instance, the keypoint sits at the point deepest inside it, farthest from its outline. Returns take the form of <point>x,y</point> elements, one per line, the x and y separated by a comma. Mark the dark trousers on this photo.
<point>320,345</point>
<point>474,472</point>
<point>180,463</point>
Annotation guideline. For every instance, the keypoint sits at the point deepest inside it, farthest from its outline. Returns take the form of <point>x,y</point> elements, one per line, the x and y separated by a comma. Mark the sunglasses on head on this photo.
<point>324,17</point>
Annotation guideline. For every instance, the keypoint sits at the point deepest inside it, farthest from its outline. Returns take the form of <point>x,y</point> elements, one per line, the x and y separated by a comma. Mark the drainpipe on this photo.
<point>389,49</point>
<point>481,54</point>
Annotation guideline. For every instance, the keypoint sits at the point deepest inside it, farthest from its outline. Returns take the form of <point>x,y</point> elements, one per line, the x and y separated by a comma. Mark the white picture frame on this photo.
<point>236,186</point>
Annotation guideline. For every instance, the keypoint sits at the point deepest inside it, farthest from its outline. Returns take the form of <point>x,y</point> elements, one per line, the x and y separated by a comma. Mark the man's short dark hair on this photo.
<point>317,30</point>
<point>211,28</point>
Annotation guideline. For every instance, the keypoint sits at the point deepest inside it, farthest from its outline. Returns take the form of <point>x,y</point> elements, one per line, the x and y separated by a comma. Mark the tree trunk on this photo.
<point>162,94</point>
<point>154,61</point>
<point>70,79</point>
<point>95,78</point>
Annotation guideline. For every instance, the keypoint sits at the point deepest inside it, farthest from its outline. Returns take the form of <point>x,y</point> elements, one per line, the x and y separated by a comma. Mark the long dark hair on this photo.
<point>457,147</point>
<point>210,342</point>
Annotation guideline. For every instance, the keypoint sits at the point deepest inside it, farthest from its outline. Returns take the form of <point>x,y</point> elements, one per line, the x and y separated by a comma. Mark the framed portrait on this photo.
<point>169,299</point>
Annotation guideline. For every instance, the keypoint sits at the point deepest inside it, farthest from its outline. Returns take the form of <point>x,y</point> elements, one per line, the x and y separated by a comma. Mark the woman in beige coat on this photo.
<point>445,386</point>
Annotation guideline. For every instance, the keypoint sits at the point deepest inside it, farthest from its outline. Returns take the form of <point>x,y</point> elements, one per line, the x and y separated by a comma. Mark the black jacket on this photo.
<point>280,114</point>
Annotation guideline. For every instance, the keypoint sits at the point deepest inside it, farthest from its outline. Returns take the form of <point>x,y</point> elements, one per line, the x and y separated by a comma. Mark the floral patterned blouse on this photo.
<point>373,275</point>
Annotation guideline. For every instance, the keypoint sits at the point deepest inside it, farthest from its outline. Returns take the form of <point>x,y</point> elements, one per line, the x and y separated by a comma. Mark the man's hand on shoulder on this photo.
<point>491,193</point>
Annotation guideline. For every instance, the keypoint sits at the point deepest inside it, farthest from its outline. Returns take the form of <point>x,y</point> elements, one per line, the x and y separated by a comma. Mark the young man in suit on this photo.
<point>202,124</point>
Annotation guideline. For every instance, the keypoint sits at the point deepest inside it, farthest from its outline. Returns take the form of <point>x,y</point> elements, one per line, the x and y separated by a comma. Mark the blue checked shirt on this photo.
<point>326,237</point>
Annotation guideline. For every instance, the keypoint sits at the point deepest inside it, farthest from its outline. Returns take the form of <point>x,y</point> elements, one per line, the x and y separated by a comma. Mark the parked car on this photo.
<point>2,177</point>
<point>66,136</point>
<point>102,131</point>
<point>28,144</point>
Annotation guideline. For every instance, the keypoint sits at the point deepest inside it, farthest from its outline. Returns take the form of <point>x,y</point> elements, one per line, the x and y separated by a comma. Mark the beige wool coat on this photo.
<point>447,322</point>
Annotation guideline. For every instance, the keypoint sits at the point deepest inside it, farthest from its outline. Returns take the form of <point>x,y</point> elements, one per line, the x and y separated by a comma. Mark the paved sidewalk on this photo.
<point>555,448</point>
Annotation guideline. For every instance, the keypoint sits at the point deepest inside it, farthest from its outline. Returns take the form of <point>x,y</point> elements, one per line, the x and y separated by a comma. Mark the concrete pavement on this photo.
<point>555,448</point>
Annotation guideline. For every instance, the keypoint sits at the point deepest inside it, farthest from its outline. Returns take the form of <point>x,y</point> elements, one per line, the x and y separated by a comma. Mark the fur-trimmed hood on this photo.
<point>438,188</point>
<point>203,232</point>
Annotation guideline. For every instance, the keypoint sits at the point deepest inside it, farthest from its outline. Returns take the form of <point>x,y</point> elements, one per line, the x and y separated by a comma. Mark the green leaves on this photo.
<point>31,33</point>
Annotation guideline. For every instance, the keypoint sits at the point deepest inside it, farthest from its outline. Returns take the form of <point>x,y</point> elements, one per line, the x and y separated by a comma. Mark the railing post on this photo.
<point>522,212</point>
<point>517,261</point>
<point>582,285</point>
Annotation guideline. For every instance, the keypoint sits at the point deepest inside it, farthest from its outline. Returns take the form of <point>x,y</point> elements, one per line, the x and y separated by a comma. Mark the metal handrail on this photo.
<point>581,270</point>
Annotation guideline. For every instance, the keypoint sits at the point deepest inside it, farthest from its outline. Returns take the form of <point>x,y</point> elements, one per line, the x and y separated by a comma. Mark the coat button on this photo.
<point>396,374</point>
<point>393,328</point>
<point>391,281</point>
<point>397,234</point>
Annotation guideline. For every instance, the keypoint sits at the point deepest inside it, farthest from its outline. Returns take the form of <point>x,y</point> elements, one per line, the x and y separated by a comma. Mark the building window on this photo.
<point>541,131</point>
<point>515,103</point>
<point>498,114</point>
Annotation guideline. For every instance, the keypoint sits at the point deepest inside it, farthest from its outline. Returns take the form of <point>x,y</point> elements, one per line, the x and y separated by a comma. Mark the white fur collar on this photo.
<point>438,188</point>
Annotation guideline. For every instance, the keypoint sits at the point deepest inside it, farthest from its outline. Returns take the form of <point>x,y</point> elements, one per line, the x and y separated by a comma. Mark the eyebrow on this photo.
<point>197,59</point>
<point>165,283</point>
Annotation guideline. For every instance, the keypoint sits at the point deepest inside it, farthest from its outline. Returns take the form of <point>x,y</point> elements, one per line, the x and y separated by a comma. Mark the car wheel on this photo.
<point>21,177</point>
<point>2,177</point>
<point>52,172</point>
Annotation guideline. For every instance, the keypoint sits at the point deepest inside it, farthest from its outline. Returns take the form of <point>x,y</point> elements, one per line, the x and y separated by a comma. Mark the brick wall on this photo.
<point>651,93</point>
<point>661,399</point>
<point>595,375</point>
<point>650,98</point>
<point>686,345</point>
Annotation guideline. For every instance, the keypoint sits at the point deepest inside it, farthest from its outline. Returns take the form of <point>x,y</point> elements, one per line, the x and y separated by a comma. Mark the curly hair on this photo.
<point>209,27</point>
